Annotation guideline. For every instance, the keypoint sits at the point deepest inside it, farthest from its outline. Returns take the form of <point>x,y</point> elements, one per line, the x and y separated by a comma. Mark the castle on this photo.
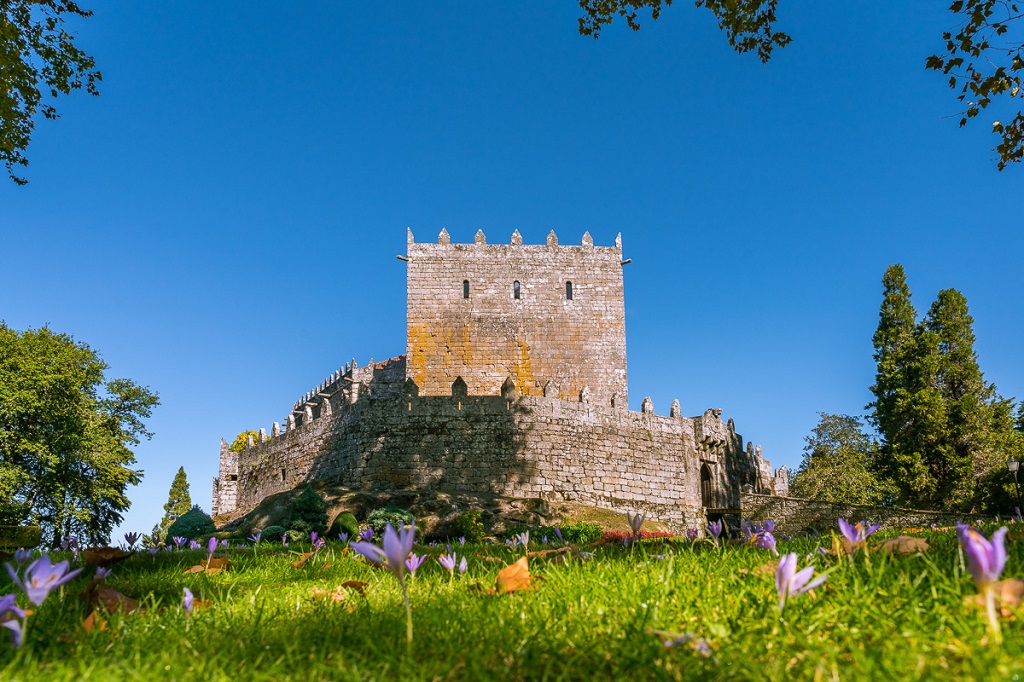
<point>513,384</point>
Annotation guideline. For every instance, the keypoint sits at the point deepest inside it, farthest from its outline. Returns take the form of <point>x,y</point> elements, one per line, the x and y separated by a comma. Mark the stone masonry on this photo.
<point>513,384</point>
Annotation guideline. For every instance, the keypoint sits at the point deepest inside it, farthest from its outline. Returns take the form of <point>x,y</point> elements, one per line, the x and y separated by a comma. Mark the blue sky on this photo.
<point>222,222</point>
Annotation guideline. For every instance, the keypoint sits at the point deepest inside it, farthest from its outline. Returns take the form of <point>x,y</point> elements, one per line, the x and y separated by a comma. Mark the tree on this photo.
<point>945,431</point>
<point>37,55</point>
<point>66,435</point>
<point>241,440</point>
<point>178,503</point>
<point>994,56</point>
<point>839,464</point>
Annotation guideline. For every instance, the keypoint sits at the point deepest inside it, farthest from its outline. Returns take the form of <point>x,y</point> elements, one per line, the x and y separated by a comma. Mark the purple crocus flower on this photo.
<point>715,529</point>
<point>366,535</point>
<point>985,558</point>
<point>9,611</point>
<point>635,521</point>
<point>462,540</point>
<point>192,544</point>
<point>102,573</point>
<point>447,548</point>
<point>858,534</point>
<point>463,565</point>
<point>765,540</point>
<point>318,544</point>
<point>789,582</point>
<point>413,562</point>
<point>178,541</point>
<point>22,555</point>
<point>153,551</point>
<point>448,561</point>
<point>224,543</point>
<point>186,601</point>
<point>255,537</point>
<point>343,537</point>
<point>558,534</point>
<point>211,547</point>
<point>131,539</point>
<point>313,536</point>
<point>691,533</point>
<point>1016,514</point>
<point>522,539</point>
<point>284,539</point>
<point>769,525</point>
<point>397,546</point>
<point>41,577</point>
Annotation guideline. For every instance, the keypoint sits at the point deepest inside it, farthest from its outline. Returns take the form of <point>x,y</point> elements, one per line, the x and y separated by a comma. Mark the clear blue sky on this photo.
<point>222,223</point>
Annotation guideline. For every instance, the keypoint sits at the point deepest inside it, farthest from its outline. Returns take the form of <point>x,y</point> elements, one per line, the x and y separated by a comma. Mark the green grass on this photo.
<point>875,618</point>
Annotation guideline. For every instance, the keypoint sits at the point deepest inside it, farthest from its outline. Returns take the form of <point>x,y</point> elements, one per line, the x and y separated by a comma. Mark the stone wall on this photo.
<point>794,515</point>
<point>547,343</point>
<point>518,446</point>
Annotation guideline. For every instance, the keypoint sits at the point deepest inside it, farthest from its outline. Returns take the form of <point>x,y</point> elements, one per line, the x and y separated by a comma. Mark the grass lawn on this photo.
<point>876,617</point>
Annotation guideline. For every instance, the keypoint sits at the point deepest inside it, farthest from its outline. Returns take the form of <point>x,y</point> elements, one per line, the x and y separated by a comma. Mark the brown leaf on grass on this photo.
<point>92,623</point>
<point>356,585</point>
<point>338,596</point>
<point>302,562</point>
<point>103,556</point>
<point>768,568</point>
<point>514,577</point>
<point>903,544</point>
<point>104,600</point>
<point>1009,595</point>
<point>214,565</point>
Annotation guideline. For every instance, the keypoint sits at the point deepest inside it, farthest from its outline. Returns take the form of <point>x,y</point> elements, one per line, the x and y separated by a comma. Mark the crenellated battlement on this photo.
<point>513,383</point>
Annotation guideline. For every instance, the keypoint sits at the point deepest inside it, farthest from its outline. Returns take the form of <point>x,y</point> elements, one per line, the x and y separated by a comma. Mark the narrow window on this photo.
<point>568,291</point>
<point>515,290</point>
<point>283,475</point>
<point>465,288</point>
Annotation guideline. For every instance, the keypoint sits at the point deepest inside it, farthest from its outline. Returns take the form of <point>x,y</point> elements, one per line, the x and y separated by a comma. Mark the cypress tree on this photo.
<point>896,387</point>
<point>178,501</point>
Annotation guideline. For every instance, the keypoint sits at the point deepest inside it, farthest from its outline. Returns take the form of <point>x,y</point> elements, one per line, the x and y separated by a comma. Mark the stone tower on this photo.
<point>550,317</point>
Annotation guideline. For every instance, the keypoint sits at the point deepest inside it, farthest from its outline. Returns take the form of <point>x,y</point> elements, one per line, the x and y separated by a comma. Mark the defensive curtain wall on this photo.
<point>540,333</point>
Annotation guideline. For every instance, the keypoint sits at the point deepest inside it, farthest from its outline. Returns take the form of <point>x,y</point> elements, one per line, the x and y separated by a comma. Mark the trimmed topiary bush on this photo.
<point>345,523</point>
<point>272,533</point>
<point>469,525</point>
<point>308,513</point>
<point>20,536</point>
<point>192,525</point>
<point>380,518</point>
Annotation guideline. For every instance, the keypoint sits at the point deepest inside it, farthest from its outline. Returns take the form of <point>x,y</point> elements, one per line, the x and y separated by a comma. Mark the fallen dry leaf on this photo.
<point>104,600</point>
<point>103,556</point>
<point>214,565</point>
<point>1009,594</point>
<point>903,544</point>
<point>514,577</point>
<point>357,585</point>
<point>302,562</point>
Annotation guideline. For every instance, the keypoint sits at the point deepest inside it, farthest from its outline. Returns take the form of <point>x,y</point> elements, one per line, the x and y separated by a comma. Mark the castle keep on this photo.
<point>513,384</point>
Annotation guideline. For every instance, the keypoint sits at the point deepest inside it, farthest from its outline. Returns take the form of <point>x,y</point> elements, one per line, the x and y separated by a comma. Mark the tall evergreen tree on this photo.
<point>896,387</point>
<point>178,502</point>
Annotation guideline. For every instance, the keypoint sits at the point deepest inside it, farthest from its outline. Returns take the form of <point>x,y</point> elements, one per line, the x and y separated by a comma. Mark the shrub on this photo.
<point>272,533</point>
<point>345,522</point>
<point>379,518</point>
<point>192,525</point>
<point>469,525</point>
<point>308,513</point>
<point>297,536</point>
<point>581,532</point>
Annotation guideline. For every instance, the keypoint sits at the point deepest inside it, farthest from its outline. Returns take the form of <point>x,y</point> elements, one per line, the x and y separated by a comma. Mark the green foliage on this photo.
<point>242,440</point>
<point>945,430</point>
<point>273,533</point>
<point>179,501</point>
<point>20,536</point>
<point>345,522</point>
<point>469,526</point>
<point>581,532</point>
<point>66,435</point>
<point>378,519</point>
<point>37,56</point>
<point>192,525</point>
<point>308,513</point>
<point>840,464</point>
